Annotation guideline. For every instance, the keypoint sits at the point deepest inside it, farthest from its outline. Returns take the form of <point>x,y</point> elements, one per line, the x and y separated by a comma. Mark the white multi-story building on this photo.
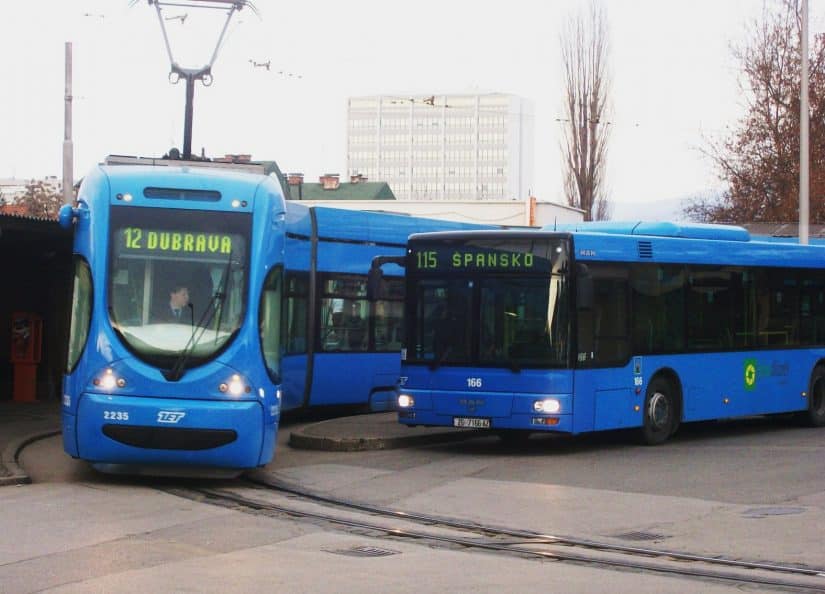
<point>443,147</point>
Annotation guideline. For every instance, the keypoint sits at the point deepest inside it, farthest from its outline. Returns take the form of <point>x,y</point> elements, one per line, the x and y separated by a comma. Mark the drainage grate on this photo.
<point>364,551</point>
<point>638,536</point>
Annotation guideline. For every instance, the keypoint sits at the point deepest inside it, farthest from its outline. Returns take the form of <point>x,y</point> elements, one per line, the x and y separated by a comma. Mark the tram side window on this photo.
<point>388,322</point>
<point>294,313</point>
<point>344,319</point>
<point>658,308</point>
<point>603,335</point>
<point>812,308</point>
<point>270,323</point>
<point>81,312</point>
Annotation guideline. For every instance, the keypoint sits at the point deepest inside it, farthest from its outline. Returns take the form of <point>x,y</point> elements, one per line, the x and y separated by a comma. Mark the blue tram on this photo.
<point>204,304</point>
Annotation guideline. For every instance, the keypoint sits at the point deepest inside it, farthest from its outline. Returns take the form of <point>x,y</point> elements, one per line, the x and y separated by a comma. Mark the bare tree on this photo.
<point>759,158</point>
<point>584,50</point>
<point>41,200</point>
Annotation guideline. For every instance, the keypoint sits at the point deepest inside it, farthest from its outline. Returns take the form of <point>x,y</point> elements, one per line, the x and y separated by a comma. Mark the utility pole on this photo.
<point>804,118</point>
<point>68,161</point>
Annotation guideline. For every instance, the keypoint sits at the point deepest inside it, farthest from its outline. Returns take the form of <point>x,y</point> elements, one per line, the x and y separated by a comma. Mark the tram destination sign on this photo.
<point>180,243</point>
<point>525,256</point>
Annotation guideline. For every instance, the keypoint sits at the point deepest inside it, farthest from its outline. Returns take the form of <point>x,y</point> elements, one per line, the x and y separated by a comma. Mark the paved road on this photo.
<point>752,490</point>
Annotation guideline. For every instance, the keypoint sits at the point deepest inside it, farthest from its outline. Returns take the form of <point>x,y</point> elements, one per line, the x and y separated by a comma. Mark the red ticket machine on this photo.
<point>26,345</point>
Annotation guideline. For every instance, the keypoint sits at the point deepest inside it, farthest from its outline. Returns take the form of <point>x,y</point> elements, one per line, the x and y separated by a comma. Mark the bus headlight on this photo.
<point>405,401</point>
<point>109,381</point>
<point>548,406</point>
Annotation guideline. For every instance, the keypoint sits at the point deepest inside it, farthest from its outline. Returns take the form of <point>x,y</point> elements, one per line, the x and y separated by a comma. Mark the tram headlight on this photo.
<point>547,406</point>
<point>108,380</point>
<point>235,386</point>
<point>405,401</point>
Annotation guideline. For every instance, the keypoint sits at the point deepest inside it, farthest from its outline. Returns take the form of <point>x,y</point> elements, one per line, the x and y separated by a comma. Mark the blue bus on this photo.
<point>602,326</point>
<point>204,304</point>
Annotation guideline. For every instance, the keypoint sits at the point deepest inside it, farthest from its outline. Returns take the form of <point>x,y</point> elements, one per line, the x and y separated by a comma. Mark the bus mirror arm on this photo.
<point>376,275</point>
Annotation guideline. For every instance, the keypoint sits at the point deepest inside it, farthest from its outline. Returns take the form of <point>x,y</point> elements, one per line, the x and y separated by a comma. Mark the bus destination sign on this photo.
<point>526,257</point>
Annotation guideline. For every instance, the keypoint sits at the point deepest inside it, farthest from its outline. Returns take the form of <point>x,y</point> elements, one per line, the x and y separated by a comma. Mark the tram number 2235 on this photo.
<point>473,382</point>
<point>112,415</point>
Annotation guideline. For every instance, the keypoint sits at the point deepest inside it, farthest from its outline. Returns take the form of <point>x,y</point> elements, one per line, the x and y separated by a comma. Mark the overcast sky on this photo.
<point>674,81</point>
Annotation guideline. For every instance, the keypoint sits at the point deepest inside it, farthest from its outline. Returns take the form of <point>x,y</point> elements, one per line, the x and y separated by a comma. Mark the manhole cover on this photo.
<point>764,512</point>
<point>364,551</point>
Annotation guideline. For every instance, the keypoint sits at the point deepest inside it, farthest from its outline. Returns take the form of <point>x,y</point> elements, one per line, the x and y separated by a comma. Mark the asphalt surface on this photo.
<point>24,422</point>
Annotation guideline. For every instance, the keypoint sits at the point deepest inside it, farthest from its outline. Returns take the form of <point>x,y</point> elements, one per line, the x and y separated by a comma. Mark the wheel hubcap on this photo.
<point>658,410</point>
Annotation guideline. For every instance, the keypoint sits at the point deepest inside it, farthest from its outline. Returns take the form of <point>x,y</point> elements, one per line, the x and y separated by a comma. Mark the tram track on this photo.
<point>267,496</point>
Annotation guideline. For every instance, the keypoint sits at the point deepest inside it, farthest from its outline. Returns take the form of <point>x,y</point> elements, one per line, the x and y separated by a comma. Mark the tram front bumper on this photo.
<point>133,430</point>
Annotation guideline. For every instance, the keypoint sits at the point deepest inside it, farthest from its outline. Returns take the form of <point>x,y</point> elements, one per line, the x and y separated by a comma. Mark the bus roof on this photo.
<point>657,229</point>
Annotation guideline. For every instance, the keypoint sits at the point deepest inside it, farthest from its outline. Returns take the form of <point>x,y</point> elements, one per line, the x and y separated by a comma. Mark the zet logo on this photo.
<point>167,416</point>
<point>750,374</point>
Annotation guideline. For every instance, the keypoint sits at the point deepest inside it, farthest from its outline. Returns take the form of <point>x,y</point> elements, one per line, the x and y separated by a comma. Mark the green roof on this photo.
<point>345,191</point>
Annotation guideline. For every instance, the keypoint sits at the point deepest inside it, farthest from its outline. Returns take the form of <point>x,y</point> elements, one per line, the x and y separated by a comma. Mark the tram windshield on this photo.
<point>177,281</point>
<point>489,302</point>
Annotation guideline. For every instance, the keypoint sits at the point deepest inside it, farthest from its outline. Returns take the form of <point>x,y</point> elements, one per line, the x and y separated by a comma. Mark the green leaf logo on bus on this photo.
<point>750,374</point>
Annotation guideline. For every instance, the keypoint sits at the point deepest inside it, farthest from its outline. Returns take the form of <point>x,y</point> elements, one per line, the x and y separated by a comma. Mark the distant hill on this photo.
<point>660,210</point>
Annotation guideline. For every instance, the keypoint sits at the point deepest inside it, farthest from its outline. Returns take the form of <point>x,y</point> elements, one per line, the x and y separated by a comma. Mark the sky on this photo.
<point>674,81</point>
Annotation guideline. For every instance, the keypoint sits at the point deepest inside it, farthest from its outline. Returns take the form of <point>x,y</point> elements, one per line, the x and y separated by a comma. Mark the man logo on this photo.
<point>166,416</point>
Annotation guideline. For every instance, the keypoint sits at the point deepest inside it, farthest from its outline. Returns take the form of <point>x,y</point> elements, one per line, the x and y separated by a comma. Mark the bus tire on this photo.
<point>659,412</point>
<point>815,417</point>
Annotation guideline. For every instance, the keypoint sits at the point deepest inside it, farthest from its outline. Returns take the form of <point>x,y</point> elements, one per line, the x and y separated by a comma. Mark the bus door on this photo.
<point>604,381</point>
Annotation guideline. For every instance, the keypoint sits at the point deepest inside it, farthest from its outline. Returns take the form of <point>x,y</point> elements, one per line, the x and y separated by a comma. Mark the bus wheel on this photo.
<point>816,398</point>
<point>659,412</point>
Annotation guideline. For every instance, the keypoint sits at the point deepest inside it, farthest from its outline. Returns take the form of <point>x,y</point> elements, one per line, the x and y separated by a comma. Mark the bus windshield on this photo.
<point>489,302</point>
<point>177,281</point>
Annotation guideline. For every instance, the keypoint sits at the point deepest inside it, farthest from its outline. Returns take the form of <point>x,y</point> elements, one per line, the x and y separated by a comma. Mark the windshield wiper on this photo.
<point>176,372</point>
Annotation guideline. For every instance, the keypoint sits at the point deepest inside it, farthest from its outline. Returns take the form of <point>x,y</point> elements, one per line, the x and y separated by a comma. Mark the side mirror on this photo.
<point>66,216</point>
<point>584,287</point>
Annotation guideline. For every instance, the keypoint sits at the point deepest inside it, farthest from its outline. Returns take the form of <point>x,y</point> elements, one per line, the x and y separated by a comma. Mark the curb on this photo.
<point>8,459</point>
<point>303,441</point>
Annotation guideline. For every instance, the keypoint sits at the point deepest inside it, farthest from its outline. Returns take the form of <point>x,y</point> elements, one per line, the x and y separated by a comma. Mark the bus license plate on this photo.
<point>472,423</point>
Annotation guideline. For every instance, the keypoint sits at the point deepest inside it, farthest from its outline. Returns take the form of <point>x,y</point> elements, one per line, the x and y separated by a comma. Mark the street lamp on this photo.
<point>190,75</point>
